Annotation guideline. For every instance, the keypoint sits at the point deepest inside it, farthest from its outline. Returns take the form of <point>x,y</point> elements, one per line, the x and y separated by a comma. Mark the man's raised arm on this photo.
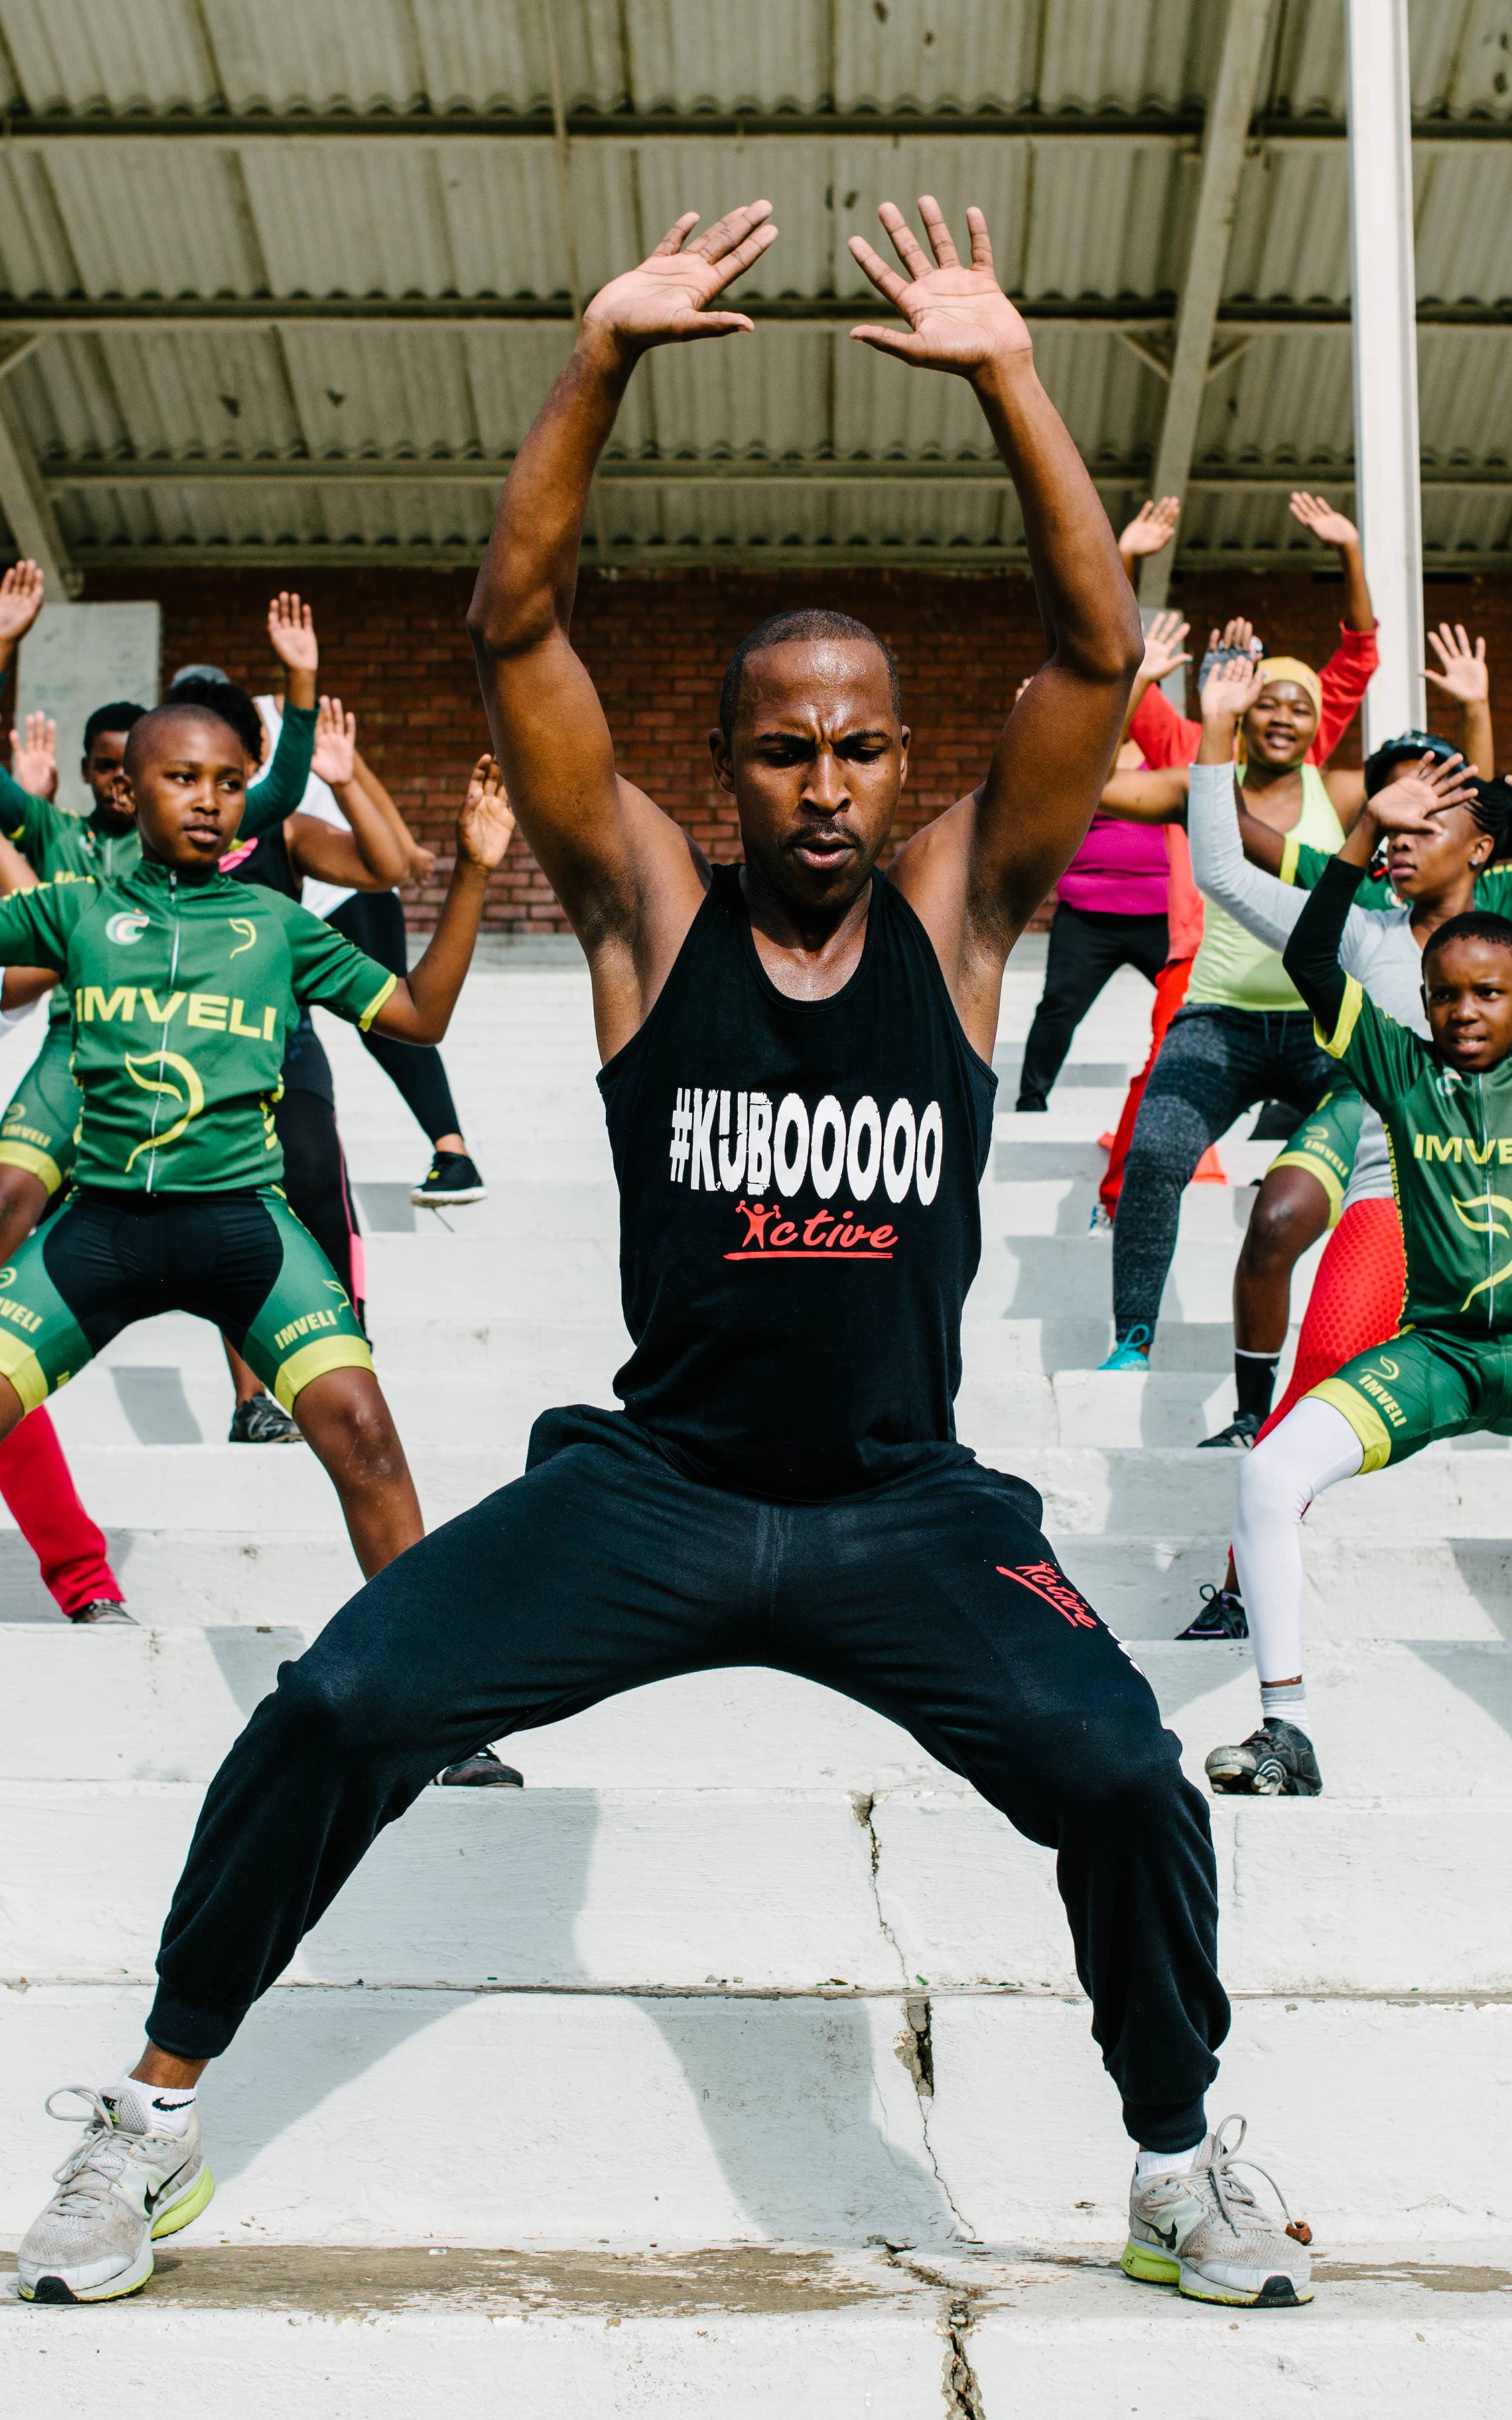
<point>597,838</point>
<point>977,873</point>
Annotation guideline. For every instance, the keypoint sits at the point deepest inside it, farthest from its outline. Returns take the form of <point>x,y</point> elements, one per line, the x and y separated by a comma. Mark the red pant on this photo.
<point>1170,991</point>
<point>37,1486</point>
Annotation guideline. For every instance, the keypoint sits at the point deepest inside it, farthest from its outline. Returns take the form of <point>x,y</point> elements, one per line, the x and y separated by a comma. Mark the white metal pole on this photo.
<point>1384,331</point>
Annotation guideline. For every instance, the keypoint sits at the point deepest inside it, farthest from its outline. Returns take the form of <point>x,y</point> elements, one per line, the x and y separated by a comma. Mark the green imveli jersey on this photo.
<point>1303,866</point>
<point>1451,1148</point>
<point>182,994</point>
<point>63,847</point>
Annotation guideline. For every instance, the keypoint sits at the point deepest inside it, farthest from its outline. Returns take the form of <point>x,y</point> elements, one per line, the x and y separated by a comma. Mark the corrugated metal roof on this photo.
<point>364,215</point>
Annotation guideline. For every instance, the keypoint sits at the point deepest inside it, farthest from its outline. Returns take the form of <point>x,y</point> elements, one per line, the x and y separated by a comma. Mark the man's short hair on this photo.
<point>202,711</point>
<point>224,699</point>
<point>117,717</point>
<point>1476,925</point>
<point>804,622</point>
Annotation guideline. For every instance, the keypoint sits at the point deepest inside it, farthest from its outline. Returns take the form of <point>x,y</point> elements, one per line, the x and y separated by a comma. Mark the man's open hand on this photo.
<point>336,743</point>
<point>664,301</point>
<point>21,601</point>
<point>291,630</point>
<point>958,318</point>
<point>485,825</point>
<point>1461,672</point>
<point>33,758</point>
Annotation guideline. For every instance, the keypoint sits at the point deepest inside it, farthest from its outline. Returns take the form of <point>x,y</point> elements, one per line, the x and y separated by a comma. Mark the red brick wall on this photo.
<point>393,647</point>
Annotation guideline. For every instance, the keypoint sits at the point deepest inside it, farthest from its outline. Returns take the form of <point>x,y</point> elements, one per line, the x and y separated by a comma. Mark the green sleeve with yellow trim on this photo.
<point>1385,1058</point>
<point>333,971</point>
<point>35,925</point>
<point>24,819</point>
<point>1302,865</point>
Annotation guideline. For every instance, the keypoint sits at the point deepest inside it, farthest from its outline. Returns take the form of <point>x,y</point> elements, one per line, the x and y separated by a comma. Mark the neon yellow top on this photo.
<point>1235,971</point>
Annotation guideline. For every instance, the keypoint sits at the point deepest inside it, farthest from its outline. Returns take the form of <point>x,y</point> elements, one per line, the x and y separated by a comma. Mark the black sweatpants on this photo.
<point>375,920</point>
<point>935,1599</point>
<point>1213,1065</point>
<point>1086,949</point>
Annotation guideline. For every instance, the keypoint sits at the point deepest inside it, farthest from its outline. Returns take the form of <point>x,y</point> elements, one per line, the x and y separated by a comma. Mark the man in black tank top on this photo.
<point>798,1082</point>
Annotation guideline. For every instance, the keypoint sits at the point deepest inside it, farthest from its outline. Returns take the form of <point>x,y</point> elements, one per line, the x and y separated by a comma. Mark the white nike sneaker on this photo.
<point>1203,2232</point>
<point>120,2188</point>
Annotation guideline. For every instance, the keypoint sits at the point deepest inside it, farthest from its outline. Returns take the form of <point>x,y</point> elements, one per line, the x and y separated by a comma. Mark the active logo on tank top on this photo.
<point>776,1159</point>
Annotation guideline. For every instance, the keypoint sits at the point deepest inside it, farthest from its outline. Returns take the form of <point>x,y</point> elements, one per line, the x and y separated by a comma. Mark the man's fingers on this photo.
<point>884,278</point>
<point>673,241</point>
<point>981,242</point>
<point>690,325</point>
<point>937,228</point>
<point>735,263</point>
<point>899,341</point>
<point>730,230</point>
<point>904,242</point>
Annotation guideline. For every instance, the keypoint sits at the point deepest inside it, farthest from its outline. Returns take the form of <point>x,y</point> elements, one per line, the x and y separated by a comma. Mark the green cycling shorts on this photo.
<point>1427,1383</point>
<point>39,1129</point>
<point>1325,1144</point>
<point>239,1259</point>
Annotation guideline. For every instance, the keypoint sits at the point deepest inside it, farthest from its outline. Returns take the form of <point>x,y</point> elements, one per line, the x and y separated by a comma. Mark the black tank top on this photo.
<point>800,1218</point>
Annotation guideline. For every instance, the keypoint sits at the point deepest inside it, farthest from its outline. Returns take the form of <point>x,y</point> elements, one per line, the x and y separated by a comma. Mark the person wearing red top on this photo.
<point>1165,737</point>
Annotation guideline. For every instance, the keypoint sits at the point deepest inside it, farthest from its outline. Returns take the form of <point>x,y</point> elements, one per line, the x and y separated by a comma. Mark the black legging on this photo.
<point>1085,949</point>
<point>375,920</point>
<point>316,1185</point>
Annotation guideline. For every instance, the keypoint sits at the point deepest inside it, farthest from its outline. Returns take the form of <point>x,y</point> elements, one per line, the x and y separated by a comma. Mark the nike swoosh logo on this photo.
<point>150,2201</point>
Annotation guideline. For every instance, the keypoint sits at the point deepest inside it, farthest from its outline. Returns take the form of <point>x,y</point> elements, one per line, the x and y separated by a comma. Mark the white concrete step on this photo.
<point>380,2332</point>
<point>599,2118</point>
<point>770,1889</point>
<point>1427,1721</point>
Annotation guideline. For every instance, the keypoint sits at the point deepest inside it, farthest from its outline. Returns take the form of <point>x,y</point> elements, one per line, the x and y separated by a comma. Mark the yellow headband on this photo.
<point>1291,667</point>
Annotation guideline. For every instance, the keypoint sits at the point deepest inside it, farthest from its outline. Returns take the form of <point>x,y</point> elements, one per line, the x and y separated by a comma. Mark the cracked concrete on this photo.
<point>914,2045</point>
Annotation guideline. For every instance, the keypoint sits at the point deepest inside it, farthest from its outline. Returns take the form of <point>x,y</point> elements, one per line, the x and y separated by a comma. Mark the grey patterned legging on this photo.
<point>1214,1063</point>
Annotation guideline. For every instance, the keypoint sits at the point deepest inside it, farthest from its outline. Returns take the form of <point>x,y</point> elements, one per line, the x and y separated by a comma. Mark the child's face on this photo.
<point>1467,991</point>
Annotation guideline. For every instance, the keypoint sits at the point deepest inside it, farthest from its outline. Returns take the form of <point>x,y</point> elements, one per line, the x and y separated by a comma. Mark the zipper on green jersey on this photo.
<point>1490,1214</point>
<point>163,1046</point>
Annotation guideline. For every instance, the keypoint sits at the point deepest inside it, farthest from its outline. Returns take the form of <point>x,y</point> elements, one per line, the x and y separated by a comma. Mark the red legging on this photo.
<point>1356,1300</point>
<point>36,1483</point>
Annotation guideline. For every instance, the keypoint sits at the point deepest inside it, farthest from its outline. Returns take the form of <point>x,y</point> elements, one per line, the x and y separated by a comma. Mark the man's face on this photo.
<point>102,771</point>
<point>189,785</point>
<point>816,767</point>
<point>1281,726</point>
<point>1467,991</point>
<point>1420,863</point>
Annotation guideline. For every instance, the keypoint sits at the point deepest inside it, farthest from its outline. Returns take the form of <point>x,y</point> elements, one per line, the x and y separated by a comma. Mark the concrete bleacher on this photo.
<point>739,2062</point>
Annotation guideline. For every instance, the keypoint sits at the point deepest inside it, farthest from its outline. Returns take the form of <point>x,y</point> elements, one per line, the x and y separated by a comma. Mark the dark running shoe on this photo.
<point>482,1770</point>
<point>1276,1762</point>
<point>451,1180</point>
<point>1242,1432</point>
<point>1223,1615</point>
<point>104,1608</point>
<point>261,1421</point>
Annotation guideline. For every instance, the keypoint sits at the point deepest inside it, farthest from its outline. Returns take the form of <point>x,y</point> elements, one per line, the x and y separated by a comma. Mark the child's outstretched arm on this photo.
<point>419,1008</point>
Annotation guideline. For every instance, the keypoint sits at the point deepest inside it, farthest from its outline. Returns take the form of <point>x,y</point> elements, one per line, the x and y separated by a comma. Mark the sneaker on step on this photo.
<point>1202,2230</point>
<point>102,1609</point>
<point>1133,1353</point>
<point>1223,1615</point>
<point>262,1420</point>
<point>121,2187</point>
<point>1242,1432</point>
<point>450,1179</point>
<point>1100,1223</point>
<point>482,1770</point>
<point>1276,1762</point>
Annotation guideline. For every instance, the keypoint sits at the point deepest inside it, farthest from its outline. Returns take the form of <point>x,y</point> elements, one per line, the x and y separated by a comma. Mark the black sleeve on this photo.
<point>1311,957</point>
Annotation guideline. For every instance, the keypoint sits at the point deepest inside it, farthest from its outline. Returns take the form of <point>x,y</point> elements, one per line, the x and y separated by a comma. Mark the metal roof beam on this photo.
<point>24,496</point>
<point>62,478</point>
<point>1222,162</point>
<point>25,130</point>
<point>72,315</point>
<point>664,562</point>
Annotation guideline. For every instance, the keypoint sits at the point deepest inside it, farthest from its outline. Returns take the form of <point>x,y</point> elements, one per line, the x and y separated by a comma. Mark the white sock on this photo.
<point>152,2109</point>
<point>1166,2164</point>
<point>1285,1701</point>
